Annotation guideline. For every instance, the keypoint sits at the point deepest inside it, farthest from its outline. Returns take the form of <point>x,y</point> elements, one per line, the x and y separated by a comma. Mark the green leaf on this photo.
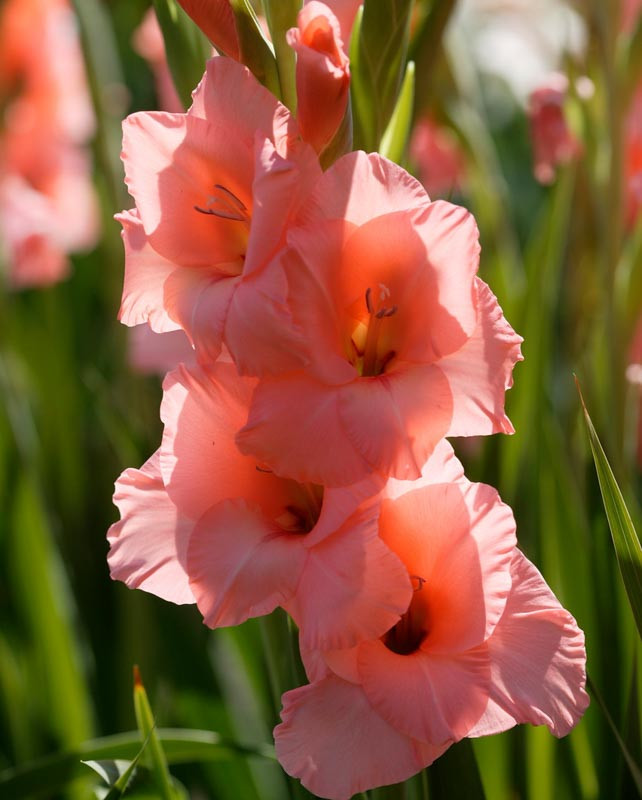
<point>256,51</point>
<point>44,777</point>
<point>625,539</point>
<point>378,58</point>
<point>281,15</point>
<point>454,776</point>
<point>110,769</point>
<point>155,757</point>
<point>395,139</point>
<point>186,46</point>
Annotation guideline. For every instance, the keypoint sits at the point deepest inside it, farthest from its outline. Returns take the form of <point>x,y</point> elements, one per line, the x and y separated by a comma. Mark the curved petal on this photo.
<point>239,565</point>
<point>200,302</point>
<point>148,546</point>
<point>459,539</point>
<point>294,428</point>
<point>481,371</point>
<point>230,94</point>
<point>322,73</point>
<point>352,587</point>
<point>442,466</point>
<point>145,274</point>
<point>216,19</point>
<point>334,741</point>
<point>200,463</point>
<point>340,503</point>
<point>538,660</point>
<point>175,165</point>
<point>396,419</point>
<point>360,186</point>
<point>436,699</point>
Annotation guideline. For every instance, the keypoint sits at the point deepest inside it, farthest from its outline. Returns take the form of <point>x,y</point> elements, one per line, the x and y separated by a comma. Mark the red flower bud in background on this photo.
<point>553,141</point>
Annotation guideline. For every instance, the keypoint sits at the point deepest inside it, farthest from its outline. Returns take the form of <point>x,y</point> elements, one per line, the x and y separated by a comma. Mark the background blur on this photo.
<point>79,404</point>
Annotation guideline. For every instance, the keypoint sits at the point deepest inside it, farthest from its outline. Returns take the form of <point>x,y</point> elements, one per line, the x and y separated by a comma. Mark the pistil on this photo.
<point>225,204</point>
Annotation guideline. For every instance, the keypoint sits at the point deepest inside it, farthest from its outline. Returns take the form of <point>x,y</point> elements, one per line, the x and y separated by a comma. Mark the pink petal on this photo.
<point>459,539</point>
<point>145,274</point>
<point>259,329</point>
<point>322,73</point>
<point>436,699</point>
<point>294,428</point>
<point>481,371</point>
<point>395,420</point>
<point>231,95</point>
<point>360,186</point>
<point>340,503</point>
<point>345,11</point>
<point>240,565</point>
<point>352,587</point>
<point>280,184</point>
<point>173,162</point>
<point>201,465</point>
<point>216,19</point>
<point>148,546</point>
<point>199,301</point>
<point>538,660</point>
<point>442,466</point>
<point>338,745</point>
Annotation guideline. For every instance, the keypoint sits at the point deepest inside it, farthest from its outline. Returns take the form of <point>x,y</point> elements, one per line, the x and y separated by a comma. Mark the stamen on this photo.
<point>369,300</point>
<point>263,469</point>
<point>420,582</point>
<point>229,206</point>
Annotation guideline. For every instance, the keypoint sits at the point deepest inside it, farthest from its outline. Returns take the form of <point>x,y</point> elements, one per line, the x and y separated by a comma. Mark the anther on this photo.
<point>369,305</point>
<point>419,582</point>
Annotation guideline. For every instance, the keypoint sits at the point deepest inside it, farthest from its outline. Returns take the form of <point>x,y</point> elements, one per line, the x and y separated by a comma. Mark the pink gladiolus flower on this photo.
<point>203,522</point>
<point>148,43</point>
<point>404,344</point>
<point>483,645</point>
<point>554,143</point>
<point>322,73</point>
<point>439,159</point>
<point>345,11</point>
<point>47,205</point>
<point>216,19</point>
<point>214,189</point>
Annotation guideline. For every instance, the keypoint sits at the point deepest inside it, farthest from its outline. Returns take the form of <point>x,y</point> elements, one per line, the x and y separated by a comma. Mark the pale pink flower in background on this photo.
<point>438,156</point>
<point>214,191</point>
<point>243,540</point>
<point>148,43</point>
<point>47,204</point>
<point>322,73</point>
<point>554,143</point>
<point>403,343</point>
<point>483,645</point>
<point>630,12</point>
<point>154,353</point>
<point>634,377</point>
<point>216,19</point>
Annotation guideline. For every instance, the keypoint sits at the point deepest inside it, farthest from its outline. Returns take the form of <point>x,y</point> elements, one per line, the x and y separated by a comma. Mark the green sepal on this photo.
<point>377,63</point>
<point>255,50</point>
<point>395,139</point>
<point>281,15</point>
<point>186,46</point>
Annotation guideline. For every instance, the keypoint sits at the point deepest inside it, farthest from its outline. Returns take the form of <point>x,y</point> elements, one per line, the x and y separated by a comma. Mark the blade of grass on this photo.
<point>625,539</point>
<point>155,757</point>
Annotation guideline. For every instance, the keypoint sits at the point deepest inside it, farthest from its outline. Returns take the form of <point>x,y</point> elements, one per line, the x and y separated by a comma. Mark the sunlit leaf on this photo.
<point>395,138</point>
<point>256,51</point>
<point>625,539</point>
<point>377,63</point>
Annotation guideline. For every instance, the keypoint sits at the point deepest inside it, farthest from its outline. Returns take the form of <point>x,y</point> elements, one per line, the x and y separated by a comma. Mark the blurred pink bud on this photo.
<point>633,158</point>
<point>438,156</point>
<point>148,43</point>
<point>216,19</point>
<point>322,73</point>
<point>345,11</point>
<point>554,143</point>
<point>630,11</point>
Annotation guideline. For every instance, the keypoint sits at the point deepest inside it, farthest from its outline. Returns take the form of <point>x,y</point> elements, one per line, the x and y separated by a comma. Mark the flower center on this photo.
<point>302,513</point>
<point>370,356</point>
<point>408,634</point>
<point>225,204</point>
